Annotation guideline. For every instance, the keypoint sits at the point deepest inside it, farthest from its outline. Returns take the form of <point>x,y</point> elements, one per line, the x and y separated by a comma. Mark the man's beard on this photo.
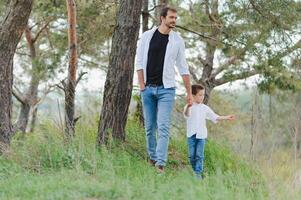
<point>171,25</point>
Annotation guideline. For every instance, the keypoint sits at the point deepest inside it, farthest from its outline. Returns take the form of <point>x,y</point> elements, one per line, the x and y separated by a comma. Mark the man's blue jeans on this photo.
<point>196,153</point>
<point>157,109</point>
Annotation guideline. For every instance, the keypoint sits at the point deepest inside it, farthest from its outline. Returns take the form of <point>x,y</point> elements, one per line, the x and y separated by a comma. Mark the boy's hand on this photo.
<point>231,117</point>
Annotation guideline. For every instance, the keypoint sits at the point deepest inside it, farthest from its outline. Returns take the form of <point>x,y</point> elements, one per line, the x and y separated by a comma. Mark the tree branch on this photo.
<point>203,61</point>
<point>17,94</point>
<point>193,73</point>
<point>290,49</point>
<point>63,86</point>
<point>41,30</point>
<point>80,77</point>
<point>242,75</point>
<point>199,34</point>
<point>45,93</point>
<point>224,66</point>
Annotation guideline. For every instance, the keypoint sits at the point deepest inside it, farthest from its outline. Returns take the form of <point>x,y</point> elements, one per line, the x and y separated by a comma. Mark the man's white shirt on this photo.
<point>175,55</point>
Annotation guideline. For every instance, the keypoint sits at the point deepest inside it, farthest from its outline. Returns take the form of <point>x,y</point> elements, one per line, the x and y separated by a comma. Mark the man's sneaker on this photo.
<point>152,162</point>
<point>160,169</point>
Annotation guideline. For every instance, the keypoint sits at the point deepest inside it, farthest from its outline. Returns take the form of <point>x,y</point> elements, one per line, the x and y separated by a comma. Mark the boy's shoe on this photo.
<point>152,162</point>
<point>160,169</point>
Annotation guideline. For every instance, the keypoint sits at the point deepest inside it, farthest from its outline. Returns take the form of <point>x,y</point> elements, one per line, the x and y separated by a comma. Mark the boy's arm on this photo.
<point>211,115</point>
<point>186,111</point>
<point>227,117</point>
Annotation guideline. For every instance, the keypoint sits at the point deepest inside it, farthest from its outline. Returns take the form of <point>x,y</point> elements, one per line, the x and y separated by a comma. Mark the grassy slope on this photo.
<point>42,166</point>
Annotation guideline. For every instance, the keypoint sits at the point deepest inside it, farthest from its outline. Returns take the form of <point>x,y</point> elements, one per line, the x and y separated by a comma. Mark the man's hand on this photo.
<point>189,99</point>
<point>141,79</point>
<point>142,86</point>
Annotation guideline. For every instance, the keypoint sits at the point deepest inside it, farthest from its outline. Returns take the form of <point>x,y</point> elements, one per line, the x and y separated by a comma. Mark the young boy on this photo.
<point>196,116</point>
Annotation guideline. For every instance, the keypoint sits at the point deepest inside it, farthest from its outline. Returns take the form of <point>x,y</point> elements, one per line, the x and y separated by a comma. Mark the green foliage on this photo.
<point>262,35</point>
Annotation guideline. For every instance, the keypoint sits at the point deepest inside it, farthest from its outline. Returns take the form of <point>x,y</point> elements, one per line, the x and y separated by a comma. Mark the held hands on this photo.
<point>189,100</point>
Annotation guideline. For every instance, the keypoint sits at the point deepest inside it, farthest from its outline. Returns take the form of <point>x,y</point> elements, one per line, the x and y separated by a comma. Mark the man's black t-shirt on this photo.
<point>155,59</point>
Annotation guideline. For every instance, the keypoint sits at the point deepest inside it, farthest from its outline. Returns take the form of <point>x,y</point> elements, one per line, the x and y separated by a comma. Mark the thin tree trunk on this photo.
<point>256,115</point>
<point>208,89</point>
<point>118,85</point>
<point>11,30</point>
<point>270,107</point>
<point>23,117</point>
<point>71,82</point>
<point>161,4</point>
<point>145,16</point>
<point>33,119</point>
<point>207,79</point>
<point>31,96</point>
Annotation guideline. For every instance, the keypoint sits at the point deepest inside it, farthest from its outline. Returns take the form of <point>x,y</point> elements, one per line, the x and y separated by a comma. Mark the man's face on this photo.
<point>170,19</point>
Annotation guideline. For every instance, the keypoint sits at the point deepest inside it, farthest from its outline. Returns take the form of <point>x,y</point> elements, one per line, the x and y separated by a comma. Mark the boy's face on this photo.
<point>199,97</point>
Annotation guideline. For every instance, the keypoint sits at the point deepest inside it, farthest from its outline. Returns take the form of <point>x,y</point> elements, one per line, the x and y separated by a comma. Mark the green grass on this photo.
<point>42,166</point>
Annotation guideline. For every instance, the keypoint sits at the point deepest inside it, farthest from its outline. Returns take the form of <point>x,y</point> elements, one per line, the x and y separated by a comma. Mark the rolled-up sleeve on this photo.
<point>139,53</point>
<point>181,60</point>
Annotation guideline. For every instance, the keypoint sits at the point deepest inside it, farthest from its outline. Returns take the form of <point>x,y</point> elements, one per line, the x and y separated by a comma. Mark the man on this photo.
<point>159,50</point>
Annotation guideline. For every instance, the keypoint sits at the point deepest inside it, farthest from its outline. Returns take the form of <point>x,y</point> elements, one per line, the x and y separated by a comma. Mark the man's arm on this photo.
<point>139,61</point>
<point>183,69</point>
<point>141,79</point>
<point>186,80</point>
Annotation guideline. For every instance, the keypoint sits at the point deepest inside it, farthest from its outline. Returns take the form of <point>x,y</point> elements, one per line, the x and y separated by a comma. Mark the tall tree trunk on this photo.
<point>27,104</point>
<point>208,89</point>
<point>118,85</point>
<point>255,119</point>
<point>161,4</point>
<point>33,119</point>
<point>11,30</point>
<point>145,16</point>
<point>71,82</point>
<point>31,96</point>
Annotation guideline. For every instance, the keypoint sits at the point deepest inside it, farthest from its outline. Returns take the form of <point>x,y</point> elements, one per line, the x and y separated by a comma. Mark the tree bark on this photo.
<point>162,4</point>
<point>31,96</point>
<point>255,119</point>
<point>211,45</point>
<point>71,82</point>
<point>145,16</point>
<point>118,85</point>
<point>11,30</point>
<point>33,120</point>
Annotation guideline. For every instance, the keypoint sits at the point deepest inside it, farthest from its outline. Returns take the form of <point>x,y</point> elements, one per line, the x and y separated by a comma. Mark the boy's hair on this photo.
<point>165,10</point>
<point>196,88</point>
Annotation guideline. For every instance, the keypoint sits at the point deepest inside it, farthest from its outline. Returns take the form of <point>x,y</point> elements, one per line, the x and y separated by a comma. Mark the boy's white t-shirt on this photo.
<point>196,121</point>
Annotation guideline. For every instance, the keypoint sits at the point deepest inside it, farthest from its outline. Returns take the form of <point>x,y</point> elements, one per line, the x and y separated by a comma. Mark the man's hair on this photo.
<point>196,88</point>
<point>165,10</point>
